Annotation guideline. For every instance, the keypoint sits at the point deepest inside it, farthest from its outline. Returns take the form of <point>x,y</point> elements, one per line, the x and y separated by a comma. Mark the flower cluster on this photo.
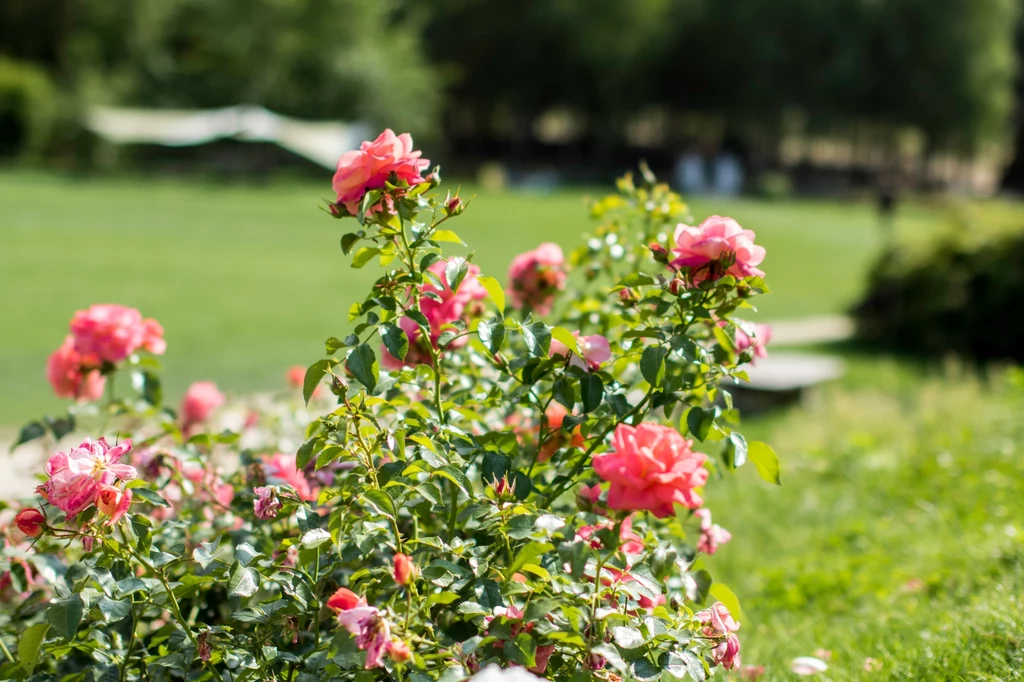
<point>717,247</point>
<point>536,276</point>
<point>87,475</point>
<point>389,158</point>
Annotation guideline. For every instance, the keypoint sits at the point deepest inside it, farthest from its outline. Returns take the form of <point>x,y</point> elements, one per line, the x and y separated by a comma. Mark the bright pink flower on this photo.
<point>718,622</point>
<point>554,416</point>
<point>727,652</point>
<point>594,348</point>
<point>69,379</point>
<point>592,492</point>
<point>404,570</point>
<point>281,470</point>
<point>446,308</point>
<point>76,477</point>
<point>711,534</point>
<point>113,502</point>
<point>30,522</point>
<point>759,341</point>
<point>535,276</point>
<point>629,542</point>
<point>201,399</point>
<point>266,505</point>
<point>651,467</point>
<point>370,167</point>
<point>719,246</point>
<point>372,632</point>
<point>344,599</point>
<point>110,333</point>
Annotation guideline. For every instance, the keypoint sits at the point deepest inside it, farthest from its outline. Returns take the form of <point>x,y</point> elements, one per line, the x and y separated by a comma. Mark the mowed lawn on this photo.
<point>249,279</point>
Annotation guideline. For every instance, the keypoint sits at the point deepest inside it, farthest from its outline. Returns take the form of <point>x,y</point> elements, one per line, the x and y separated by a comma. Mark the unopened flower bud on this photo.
<point>627,296</point>
<point>675,286</point>
<point>30,522</point>
<point>503,488</point>
<point>399,651</point>
<point>454,206</point>
<point>434,178</point>
<point>659,252</point>
<point>405,569</point>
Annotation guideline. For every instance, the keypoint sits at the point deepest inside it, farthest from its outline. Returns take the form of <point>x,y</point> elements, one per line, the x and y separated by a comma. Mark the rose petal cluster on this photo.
<point>107,332</point>
<point>76,478</point>
<point>758,341</point>
<point>720,625</point>
<point>441,307</point>
<point>201,399</point>
<point>70,378</point>
<point>373,164</point>
<point>267,503</point>
<point>368,625</point>
<point>711,534</point>
<point>715,248</point>
<point>651,467</point>
<point>535,276</point>
<point>594,349</point>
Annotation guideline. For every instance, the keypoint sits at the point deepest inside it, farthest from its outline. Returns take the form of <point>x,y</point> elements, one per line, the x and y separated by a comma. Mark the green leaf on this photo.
<point>243,582</point>
<point>645,671</point>
<point>306,451</point>
<point>349,240</point>
<point>65,615</point>
<point>722,593</point>
<point>457,477</point>
<point>446,236</point>
<point>203,553</point>
<point>566,338</point>
<point>114,610</point>
<point>150,496</point>
<point>395,340</point>
<point>627,638</point>
<point>736,449</point>
<point>60,426</point>
<point>29,644</point>
<point>315,537</point>
<point>682,665</point>
<point>538,339</point>
<point>766,461</point>
<point>521,650</point>
<point>314,374</point>
<point>563,392</point>
<point>362,362</point>
<point>455,272</point>
<point>699,421</point>
<point>147,385</point>
<point>381,500</point>
<point>364,256</point>
<point>652,365</point>
<point>28,432</point>
<point>492,334</point>
<point>591,392</point>
<point>495,466</point>
<point>494,290</point>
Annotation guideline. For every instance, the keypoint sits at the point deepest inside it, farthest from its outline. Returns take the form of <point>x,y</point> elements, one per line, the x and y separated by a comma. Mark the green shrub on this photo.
<point>954,295</point>
<point>28,109</point>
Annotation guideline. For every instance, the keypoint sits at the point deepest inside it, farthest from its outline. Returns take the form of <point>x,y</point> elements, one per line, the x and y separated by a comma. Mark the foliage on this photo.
<point>940,297</point>
<point>28,109</point>
<point>424,517</point>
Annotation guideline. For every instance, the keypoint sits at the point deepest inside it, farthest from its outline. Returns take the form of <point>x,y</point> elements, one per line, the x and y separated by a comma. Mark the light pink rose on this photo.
<point>535,276</point>
<point>651,467</point>
<point>718,622</point>
<point>370,166</point>
<point>711,534</point>
<point>727,653</point>
<point>372,632</point>
<point>462,304</point>
<point>76,477</point>
<point>759,341</point>
<point>594,348</point>
<point>110,333</point>
<point>69,379</point>
<point>266,505</point>
<point>280,469</point>
<point>717,247</point>
<point>201,399</point>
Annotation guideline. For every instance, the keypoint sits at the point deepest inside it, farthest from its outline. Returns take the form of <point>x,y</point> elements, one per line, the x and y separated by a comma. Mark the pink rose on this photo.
<point>651,467</point>
<point>446,308</point>
<point>727,652</point>
<point>758,342</point>
<point>266,505</point>
<point>76,477</point>
<point>113,502</point>
<point>535,276</point>
<point>404,570</point>
<point>110,333</point>
<point>594,348</point>
<point>719,246</point>
<point>69,379</point>
<point>399,651</point>
<point>372,632</point>
<point>201,399</point>
<point>718,622</point>
<point>370,167</point>
<point>711,534</point>
<point>30,522</point>
<point>281,470</point>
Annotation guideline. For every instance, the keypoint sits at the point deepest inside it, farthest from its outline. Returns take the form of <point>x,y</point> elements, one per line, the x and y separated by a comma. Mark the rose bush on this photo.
<point>460,484</point>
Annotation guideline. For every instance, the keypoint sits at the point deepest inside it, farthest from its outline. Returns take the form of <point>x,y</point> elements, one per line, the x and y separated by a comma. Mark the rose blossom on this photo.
<point>69,379</point>
<point>281,470</point>
<point>595,351</point>
<point>399,651</point>
<point>113,502</point>
<point>758,342</point>
<point>717,247</point>
<point>711,534</point>
<point>266,505</point>
<point>535,276</point>
<point>30,522</point>
<point>76,477</point>
<point>651,467</point>
<point>106,332</point>
<point>404,569</point>
<point>201,399</point>
<point>448,307</point>
<point>727,652</point>
<point>554,416</point>
<point>370,167</point>
<point>372,632</point>
<point>718,622</point>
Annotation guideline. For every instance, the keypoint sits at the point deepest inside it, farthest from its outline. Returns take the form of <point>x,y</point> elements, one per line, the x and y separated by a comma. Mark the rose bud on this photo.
<point>30,522</point>
<point>405,569</point>
<point>454,206</point>
<point>399,651</point>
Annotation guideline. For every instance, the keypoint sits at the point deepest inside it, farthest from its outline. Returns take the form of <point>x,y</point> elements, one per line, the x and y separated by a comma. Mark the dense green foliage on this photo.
<point>942,296</point>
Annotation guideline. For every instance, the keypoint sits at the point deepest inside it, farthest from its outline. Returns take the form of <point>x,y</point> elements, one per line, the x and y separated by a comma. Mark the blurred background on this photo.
<point>172,155</point>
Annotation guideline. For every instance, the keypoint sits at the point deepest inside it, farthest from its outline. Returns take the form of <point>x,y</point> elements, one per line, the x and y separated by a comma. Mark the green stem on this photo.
<point>131,646</point>
<point>453,512</point>
<point>6,652</point>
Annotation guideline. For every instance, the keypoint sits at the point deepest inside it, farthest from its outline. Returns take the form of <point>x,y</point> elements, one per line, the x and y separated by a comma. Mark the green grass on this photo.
<point>898,534</point>
<point>249,280</point>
